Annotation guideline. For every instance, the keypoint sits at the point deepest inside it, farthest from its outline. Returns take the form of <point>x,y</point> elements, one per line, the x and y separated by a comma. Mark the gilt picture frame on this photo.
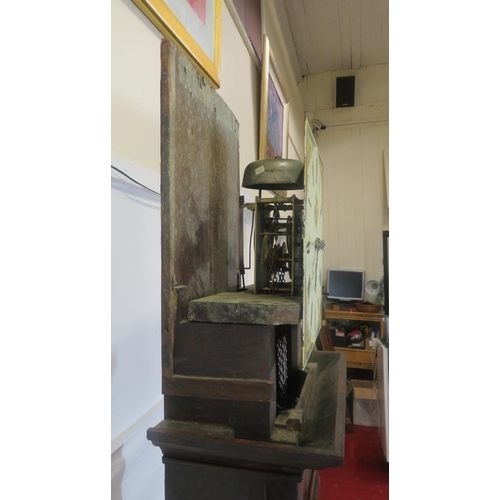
<point>273,134</point>
<point>195,26</point>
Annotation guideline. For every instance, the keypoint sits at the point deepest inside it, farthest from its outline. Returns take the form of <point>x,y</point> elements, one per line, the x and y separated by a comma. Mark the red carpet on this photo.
<point>365,474</point>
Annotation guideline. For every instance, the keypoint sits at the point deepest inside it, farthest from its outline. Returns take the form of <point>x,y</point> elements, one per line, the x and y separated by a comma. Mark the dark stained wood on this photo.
<point>325,338</point>
<point>219,388</point>
<point>296,345</point>
<point>190,481</point>
<point>243,453</point>
<point>199,183</point>
<point>225,350</point>
<point>313,493</point>
<point>166,340</point>
<point>245,419</point>
<point>177,300</point>
<point>321,446</point>
<point>325,409</point>
<point>292,420</point>
<point>219,438</point>
<point>349,427</point>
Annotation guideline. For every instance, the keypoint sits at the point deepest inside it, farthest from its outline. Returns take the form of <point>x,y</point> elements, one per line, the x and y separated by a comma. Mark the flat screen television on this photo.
<point>345,285</point>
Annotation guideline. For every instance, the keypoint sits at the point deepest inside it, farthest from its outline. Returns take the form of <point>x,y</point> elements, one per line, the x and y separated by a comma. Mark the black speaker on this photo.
<point>345,91</point>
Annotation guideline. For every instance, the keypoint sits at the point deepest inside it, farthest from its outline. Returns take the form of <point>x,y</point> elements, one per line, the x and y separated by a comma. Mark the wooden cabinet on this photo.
<point>358,358</point>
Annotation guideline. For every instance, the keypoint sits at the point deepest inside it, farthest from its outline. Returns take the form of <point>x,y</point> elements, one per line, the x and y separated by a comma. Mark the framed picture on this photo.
<point>246,15</point>
<point>273,136</point>
<point>195,25</point>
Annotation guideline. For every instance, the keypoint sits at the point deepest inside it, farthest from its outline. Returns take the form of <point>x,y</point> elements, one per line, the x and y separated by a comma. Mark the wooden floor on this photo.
<point>365,475</point>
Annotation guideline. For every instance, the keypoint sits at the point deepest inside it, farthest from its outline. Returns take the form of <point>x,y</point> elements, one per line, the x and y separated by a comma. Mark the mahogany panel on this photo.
<point>247,419</point>
<point>320,446</point>
<point>219,388</point>
<point>225,350</point>
<point>194,481</point>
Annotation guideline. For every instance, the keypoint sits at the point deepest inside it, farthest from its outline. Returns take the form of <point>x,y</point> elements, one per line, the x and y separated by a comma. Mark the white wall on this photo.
<point>135,302</point>
<point>240,87</point>
<point>240,81</point>
<point>135,86</point>
<point>352,145</point>
<point>136,401</point>
<point>135,80</point>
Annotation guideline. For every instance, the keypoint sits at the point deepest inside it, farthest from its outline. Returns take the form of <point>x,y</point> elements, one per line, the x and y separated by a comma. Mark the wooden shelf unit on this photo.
<point>358,358</point>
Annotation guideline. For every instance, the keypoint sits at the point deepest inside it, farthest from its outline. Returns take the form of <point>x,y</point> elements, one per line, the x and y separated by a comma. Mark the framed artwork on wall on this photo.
<point>246,15</point>
<point>195,25</point>
<point>273,136</point>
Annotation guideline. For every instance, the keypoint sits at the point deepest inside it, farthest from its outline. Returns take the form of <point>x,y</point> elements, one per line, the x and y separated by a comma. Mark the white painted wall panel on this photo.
<point>355,33</point>
<point>372,87</point>
<point>352,150</point>
<point>135,302</point>
<point>135,338</point>
<point>135,86</point>
<point>246,111</point>
<point>354,184</point>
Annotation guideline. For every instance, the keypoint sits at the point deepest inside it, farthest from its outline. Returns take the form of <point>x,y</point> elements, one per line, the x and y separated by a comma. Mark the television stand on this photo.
<point>343,305</point>
<point>358,358</point>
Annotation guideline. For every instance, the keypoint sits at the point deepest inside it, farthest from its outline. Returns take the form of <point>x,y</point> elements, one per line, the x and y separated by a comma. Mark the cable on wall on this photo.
<point>133,180</point>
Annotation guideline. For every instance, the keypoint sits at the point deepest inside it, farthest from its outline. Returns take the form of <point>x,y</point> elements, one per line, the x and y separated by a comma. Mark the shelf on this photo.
<point>358,316</point>
<point>358,358</point>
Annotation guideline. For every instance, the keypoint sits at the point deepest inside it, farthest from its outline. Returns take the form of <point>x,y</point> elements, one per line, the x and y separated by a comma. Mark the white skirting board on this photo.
<point>136,467</point>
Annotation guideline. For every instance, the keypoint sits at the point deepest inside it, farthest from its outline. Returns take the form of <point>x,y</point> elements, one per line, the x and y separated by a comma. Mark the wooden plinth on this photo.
<point>202,458</point>
<point>195,481</point>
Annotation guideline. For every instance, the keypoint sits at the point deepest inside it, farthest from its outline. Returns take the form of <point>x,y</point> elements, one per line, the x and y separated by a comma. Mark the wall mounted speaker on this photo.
<point>345,91</point>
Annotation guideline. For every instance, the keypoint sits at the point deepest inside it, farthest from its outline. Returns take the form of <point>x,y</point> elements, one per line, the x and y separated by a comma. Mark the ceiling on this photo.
<point>335,34</point>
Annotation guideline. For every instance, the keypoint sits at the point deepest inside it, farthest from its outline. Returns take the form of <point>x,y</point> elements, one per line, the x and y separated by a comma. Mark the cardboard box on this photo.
<point>363,402</point>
